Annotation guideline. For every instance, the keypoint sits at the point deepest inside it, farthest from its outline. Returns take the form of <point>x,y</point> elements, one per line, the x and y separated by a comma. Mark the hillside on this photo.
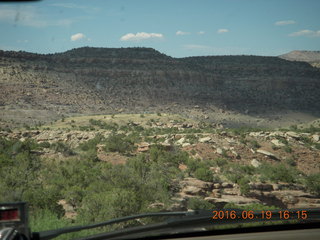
<point>35,87</point>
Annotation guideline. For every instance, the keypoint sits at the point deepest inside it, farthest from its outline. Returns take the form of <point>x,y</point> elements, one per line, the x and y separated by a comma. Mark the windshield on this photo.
<point>116,108</point>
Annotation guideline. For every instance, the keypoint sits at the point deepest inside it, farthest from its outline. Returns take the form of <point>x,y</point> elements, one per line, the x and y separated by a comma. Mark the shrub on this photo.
<point>194,164</point>
<point>192,138</point>
<point>86,128</point>
<point>204,174</point>
<point>293,127</point>
<point>312,129</point>
<point>45,219</point>
<point>92,143</point>
<point>313,183</point>
<point>287,149</point>
<point>317,146</point>
<point>254,144</point>
<point>199,204</point>
<point>193,152</point>
<point>244,186</point>
<point>104,125</point>
<point>118,143</point>
<point>243,139</point>
<point>63,148</point>
<point>44,145</point>
<point>174,158</point>
<point>278,173</point>
<point>236,170</point>
<point>224,153</point>
<point>291,162</point>
<point>283,140</point>
<point>220,162</point>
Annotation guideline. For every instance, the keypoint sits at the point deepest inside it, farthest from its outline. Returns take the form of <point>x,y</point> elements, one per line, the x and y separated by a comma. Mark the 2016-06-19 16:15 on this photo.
<point>267,214</point>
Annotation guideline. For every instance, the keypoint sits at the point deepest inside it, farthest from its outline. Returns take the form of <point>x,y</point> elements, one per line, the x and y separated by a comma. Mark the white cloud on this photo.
<point>285,22</point>
<point>77,36</point>
<point>222,30</point>
<point>182,33</point>
<point>201,32</point>
<point>306,32</point>
<point>141,36</point>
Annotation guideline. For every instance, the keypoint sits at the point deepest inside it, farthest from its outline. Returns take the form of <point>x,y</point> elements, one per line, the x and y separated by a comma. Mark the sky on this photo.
<point>178,28</point>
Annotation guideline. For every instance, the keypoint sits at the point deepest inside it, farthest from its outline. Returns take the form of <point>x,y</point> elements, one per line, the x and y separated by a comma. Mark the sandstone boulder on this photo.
<point>293,135</point>
<point>205,139</point>
<point>207,186</point>
<point>255,163</point>
<point>185,144</point>
<point>315,138</point>
<point>219,151</point>
<point>268,154</point>
<point>143,147</point>
<point>277,143</point>
<point>181,141</point>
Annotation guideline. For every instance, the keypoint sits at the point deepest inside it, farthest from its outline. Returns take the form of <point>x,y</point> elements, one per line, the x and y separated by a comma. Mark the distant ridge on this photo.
<point>133,80</point>
<point>304,56</point>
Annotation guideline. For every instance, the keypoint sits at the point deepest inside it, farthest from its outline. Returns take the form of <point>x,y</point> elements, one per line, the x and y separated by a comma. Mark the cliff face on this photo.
<point>134,79</point>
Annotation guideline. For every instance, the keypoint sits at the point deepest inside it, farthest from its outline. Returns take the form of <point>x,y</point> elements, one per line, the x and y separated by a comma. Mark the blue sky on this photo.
<point>177,28</point>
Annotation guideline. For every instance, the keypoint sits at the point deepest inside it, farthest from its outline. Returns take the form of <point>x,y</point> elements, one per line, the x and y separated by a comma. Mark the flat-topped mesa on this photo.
<point>135,53</point>
<point>97,79</point>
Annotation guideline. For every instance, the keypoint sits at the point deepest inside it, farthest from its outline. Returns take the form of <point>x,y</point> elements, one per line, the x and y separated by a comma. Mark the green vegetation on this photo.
<point>313,183</point>
<point>199,204</point>
<point>291,162</point>
<point>311,129</point>
<point>244,185</point>
<point>254,144</point>
<point>191,138</point>
<point>234,171</point>
<point>283,140</point>
<point>62,148</point>
<point>279,173</point>
<point>220,162</point>
<point>99,191</point>
<point>244,130</point>
<point>103,125</point>
<point>204,174</point>
<point>86,128</point>
<point>119,143</point>
<point>287,149</point>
